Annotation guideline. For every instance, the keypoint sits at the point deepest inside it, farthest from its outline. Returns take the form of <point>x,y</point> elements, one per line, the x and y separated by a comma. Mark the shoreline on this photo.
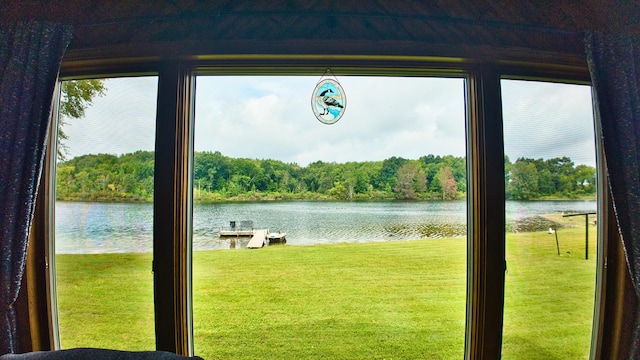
<point>296,199</point>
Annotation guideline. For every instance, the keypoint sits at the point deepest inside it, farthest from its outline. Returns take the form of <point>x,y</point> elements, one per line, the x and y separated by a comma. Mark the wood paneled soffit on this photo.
<point>452,28</point>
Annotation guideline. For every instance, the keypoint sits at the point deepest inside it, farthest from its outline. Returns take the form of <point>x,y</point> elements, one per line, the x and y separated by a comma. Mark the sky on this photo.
<point>262,117</point>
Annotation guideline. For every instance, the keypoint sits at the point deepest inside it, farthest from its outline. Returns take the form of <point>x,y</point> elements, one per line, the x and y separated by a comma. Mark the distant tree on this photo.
<point>448,184</point>
<point>523,181</point>
<point>585,179</point>
<point>431,164</point>
<point>76,97</point>
<point>339,191</point>
<point>546,185</point>
<point>386,178</point>
<point>562,172</point>
<point>350,182</point>
<point>410,181</point>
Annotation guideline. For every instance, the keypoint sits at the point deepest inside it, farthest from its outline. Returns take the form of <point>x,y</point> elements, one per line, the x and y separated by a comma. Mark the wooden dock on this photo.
<point>237,233</point>
<point>258,240</point>
<point>238,228</point>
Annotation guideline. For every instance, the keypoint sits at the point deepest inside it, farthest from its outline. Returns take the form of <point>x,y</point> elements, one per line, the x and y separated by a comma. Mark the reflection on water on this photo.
<point>307,222</point>
<point>107,227</point>
<point>103,227</point>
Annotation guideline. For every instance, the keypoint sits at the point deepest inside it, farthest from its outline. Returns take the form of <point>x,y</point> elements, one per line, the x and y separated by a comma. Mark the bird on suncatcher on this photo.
<point>327,100</point>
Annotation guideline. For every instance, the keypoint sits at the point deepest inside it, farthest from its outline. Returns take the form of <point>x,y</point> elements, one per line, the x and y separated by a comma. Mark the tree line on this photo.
<point>529,179</point>
<point>216,177</point>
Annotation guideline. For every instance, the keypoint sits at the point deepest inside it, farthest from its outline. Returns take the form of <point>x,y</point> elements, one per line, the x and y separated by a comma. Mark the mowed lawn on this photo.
<point>549,298</point>
<point>392,300</point>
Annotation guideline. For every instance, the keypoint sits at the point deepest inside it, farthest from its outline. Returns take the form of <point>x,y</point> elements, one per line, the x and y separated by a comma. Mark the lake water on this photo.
<point>108,227</point>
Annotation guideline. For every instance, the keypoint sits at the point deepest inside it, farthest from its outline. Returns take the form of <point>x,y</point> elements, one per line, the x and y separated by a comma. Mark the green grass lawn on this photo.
<point>393,300</point>
<point>376,300</point>
<point>106,300</point>
<point>549,298</point>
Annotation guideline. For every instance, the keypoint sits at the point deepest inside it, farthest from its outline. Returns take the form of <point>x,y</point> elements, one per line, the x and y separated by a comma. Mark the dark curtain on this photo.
<point>614,63</point>
<point>30,56</point>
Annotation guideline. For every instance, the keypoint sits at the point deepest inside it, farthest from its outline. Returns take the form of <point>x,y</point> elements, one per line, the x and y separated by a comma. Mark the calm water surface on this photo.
<point>108,227</point>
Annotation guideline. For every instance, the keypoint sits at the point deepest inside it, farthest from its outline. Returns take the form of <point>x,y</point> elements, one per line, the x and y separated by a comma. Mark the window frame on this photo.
<point>174,161</point>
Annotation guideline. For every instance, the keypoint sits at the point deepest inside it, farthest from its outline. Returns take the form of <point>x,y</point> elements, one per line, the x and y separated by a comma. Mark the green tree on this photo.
<point>410,180</point>
<point>562,173</point>
<point>386,179</point>
<point>523,180</point>
<point>546,184</point>
<point>211,170</point>
<point>339,191</point>
<point>448,185</point>
<point>76,97</point>
<point>585,179</point>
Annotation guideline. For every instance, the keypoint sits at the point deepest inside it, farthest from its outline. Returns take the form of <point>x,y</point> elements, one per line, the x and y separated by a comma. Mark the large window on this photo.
<point>373,207</point>
<point>104,213</point>
<point>377,241</point>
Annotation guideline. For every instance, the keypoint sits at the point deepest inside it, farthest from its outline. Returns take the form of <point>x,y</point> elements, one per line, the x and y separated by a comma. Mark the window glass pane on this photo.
<point>373,263</point>
<point>551,230</point>
<point>104,213</point>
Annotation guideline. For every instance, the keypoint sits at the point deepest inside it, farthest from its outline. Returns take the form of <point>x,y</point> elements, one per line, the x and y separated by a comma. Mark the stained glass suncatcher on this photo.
<point>328,101</point>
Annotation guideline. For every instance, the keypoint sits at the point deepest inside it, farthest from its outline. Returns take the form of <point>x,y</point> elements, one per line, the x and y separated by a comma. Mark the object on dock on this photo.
<point>258,240</point>
<point>245,228</point>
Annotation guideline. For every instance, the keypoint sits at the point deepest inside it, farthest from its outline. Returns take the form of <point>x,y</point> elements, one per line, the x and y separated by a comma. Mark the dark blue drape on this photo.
<point>30,56</point>
<point>614,63</point>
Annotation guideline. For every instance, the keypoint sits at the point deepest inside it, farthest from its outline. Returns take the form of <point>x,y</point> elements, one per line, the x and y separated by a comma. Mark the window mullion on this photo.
<point>172,211</point>
<point>486,207</point>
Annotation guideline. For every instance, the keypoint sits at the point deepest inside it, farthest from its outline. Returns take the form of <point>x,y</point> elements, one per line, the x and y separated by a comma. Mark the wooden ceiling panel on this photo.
<point>539,25</point>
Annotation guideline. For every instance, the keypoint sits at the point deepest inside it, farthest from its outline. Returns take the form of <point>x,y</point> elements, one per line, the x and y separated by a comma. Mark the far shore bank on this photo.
<point>283,198</point>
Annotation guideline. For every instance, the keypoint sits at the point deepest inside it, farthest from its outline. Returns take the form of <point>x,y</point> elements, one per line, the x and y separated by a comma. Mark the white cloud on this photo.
<point>271,117</point>
<point>546,120</point>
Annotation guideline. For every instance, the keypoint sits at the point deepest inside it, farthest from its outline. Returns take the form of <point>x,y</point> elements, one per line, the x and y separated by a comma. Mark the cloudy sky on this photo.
<point>271,117</point>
